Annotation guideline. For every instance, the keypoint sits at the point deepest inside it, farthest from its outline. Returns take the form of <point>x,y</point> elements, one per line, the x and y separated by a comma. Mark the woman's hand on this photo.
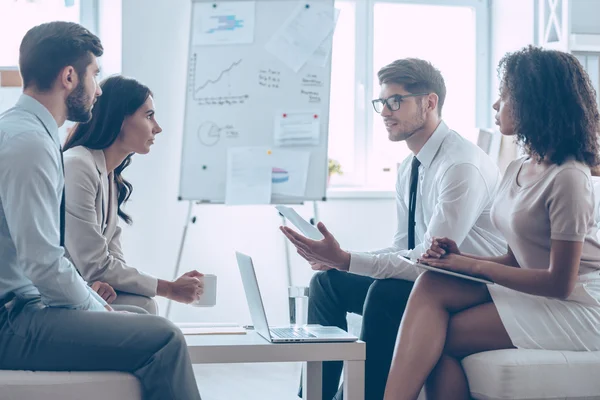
<point>105,291</point>
<point>187,288</point>
<point>456,263</point>
<point>441,247</point>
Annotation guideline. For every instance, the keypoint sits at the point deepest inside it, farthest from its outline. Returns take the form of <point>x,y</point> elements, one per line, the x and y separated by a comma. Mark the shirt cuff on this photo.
<point>361,263</point>
<point>383,266</point>
<point>97,297</point>
<point>570,237</point>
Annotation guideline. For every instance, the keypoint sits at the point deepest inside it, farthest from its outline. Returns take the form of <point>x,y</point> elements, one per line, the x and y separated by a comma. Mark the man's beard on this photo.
<point>79,108</point>
<point>413,127</point>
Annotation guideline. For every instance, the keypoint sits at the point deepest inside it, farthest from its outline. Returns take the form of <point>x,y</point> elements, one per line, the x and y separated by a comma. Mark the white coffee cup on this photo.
<point>209,297</point>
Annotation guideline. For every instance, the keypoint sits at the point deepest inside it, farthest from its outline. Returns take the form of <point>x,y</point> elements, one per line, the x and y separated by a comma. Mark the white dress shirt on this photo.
<point>456,189</point>
<point>32,261</point>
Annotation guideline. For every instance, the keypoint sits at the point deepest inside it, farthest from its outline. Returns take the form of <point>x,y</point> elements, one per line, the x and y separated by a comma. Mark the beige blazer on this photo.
<point>92,234</point>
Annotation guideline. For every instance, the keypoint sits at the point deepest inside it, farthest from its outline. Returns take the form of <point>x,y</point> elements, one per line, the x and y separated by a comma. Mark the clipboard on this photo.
<point>447,272</point>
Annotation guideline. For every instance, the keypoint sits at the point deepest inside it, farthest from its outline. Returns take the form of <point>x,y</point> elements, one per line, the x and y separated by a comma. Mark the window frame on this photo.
<point>89,15</point>
<point>363,175</point>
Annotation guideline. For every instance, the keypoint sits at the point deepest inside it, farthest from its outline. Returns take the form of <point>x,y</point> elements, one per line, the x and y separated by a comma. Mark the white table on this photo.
<point>251,347</point>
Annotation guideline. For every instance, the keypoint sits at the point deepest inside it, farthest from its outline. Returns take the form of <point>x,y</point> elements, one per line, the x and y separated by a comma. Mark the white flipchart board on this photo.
<point>235,91</point>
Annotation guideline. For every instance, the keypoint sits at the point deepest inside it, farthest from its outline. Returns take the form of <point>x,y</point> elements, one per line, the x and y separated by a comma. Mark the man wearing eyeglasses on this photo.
<point>444,189</point>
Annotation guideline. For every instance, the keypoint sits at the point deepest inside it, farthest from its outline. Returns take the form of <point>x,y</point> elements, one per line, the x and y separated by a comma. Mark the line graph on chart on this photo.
<point>216,90</point>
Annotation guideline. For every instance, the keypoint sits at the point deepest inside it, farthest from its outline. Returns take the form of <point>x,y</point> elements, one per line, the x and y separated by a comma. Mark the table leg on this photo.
<point>312,380</point>
<point>354,380</point>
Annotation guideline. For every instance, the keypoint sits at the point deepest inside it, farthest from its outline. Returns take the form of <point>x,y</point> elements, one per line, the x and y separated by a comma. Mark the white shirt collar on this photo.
<point>431,147</point>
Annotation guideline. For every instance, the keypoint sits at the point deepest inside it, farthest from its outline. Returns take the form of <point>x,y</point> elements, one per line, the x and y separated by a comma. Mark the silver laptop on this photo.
<point>285,334</point>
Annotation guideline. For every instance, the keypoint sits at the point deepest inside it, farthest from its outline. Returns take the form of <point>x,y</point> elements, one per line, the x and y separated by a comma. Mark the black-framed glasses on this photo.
<point>392,102</point>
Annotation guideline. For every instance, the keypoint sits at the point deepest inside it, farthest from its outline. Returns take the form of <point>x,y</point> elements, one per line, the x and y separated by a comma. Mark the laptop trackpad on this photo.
<point>326,331</point>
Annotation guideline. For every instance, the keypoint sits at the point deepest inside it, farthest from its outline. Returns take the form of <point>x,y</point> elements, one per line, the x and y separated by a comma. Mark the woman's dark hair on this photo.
<point>553,105</point>
<point>121,97</point>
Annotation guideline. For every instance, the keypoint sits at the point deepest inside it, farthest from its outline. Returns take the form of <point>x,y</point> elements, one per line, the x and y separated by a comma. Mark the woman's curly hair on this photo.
<point>553,105</point>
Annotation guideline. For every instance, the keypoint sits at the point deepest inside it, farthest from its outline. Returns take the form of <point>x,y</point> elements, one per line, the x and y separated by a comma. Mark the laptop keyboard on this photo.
<point>293,333</point>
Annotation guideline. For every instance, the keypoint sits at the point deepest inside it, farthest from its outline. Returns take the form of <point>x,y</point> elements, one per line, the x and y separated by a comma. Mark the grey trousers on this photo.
<point>34,337</point>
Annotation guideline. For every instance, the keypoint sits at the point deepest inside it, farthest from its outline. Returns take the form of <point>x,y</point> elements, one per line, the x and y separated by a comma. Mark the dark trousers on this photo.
<point>381,302</point>
<point>39,338</point>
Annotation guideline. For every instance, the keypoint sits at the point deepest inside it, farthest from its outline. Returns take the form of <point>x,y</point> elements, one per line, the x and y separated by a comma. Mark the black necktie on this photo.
<point>62,205</point>
<point>412,201</point>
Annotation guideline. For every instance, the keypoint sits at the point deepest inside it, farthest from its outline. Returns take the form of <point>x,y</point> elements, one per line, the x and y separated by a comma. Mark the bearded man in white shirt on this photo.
<point>50,319</point>
<point>444,189</point>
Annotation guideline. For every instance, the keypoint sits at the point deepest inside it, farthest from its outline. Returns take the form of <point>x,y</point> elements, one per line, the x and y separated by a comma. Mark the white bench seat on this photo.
<point>533,374</point>
<point>41,385</point>
<point>493,375</point>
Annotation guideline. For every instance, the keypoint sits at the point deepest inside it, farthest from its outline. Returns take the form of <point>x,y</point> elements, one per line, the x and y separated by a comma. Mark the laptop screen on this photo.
<point>255,303</point>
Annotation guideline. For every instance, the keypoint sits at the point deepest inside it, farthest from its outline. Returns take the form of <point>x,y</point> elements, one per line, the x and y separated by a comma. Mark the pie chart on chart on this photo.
<point>280,175</point>
<point>209,133</point>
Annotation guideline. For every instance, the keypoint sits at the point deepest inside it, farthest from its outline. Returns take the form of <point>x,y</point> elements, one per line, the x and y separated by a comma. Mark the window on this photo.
<point>370,34</point>
<point>18,16</point>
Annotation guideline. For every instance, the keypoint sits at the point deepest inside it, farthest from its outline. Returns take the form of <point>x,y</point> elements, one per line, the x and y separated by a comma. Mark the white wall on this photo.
<point>155,36</point>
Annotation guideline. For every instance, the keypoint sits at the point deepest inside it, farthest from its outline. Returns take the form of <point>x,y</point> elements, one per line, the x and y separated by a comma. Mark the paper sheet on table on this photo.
<point>321,55</point>
<point>211,328</point>
<point>290,172</point>
<point>307,229</point>
<point>248,176</point>
<point>297,128</point>
<point>301,34</point>
<point>229,22</point>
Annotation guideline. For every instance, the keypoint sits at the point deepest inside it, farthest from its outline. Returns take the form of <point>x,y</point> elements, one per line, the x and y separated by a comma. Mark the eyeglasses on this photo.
<point>393,102</point>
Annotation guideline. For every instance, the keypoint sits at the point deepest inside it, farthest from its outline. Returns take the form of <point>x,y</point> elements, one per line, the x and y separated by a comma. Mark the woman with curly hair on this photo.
<point>547,291</point>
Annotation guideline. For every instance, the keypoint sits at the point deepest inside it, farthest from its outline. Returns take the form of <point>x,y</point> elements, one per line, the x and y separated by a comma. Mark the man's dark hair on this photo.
<point>48,48</point>
<point>553,105</point>
<point>417,76</point>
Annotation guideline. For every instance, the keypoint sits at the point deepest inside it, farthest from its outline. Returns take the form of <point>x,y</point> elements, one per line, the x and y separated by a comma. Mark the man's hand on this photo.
<point>105,291</point>
<point>319,267</point>
<point>187,288</point>
<point>321,254</point>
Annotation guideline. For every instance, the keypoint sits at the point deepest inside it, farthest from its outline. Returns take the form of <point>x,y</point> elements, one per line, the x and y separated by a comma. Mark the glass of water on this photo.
<point>298,302</point>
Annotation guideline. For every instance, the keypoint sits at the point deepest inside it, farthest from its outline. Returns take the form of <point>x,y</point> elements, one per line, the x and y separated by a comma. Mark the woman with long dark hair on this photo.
<point>547,291</point>
<point>96,153</point>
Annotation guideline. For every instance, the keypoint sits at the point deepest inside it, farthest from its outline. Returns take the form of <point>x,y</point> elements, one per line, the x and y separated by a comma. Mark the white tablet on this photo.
<point>447,272</point>
<point>307,229</point>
